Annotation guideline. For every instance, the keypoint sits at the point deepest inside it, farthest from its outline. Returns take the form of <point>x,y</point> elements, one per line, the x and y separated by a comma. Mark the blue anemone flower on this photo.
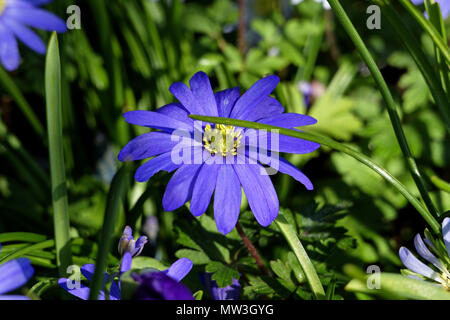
<point>15,18</point>
<point>440,272</point>
<point>128,244</point>
<point>14,274</point>
<point>444,5</point>
<point>164,285</point>
<point>224,157</point>
<point>231,292</point>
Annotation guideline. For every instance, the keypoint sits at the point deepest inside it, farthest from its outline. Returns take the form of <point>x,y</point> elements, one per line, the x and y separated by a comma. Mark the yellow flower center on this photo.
<point>2,6</point>
<point>446,280</point>
<point>221,139</point>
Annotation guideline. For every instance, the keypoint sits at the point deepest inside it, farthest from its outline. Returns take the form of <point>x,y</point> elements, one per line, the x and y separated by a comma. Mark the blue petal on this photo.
<point>37,18</point>
<point>125,265</point>
<point>261,194</point>
<point>156,120</point>
<point>422,249</point>
<point>268,107</point>
<point>13,297</point>
<point>227,199</point>
<point>203,93</point>
<point>114,292</point>
<point>446,234</point>
<point>186,97</point>
<point>289,120</point>
<point>176,111</point>
<point>82,292</point>
<point>179,269</point>
<point>204,188</point>
<point>253,96</point>
<point>25,35</point>
<point>14,274</point>
<point>179,188</point>
<point>146,146</point>
<point>414,264</point>
<point>9,50</point>
<point>231,292</point>
<point>162,162</point>
<point>225,101</point>
<point>88,270</point>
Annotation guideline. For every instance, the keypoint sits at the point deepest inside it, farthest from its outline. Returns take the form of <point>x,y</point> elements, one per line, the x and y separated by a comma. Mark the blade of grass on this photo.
<point>61,221</point>
<point>337,146</point>
<point>390,103</point>
<point>116,195</point>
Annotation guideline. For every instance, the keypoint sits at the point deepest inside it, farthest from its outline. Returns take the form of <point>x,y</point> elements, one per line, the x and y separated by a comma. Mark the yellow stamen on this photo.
<point>222,139</point>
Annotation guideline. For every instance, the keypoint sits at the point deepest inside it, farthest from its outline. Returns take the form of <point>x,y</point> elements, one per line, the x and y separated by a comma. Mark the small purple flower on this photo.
<point>15,18</point>
<point>128,244</point>
<point>225,157</point>
<point>164,285</point>
<point>444,5</point>
<point>439,273</point>
<point>14,274</point>
<point>231,292</point>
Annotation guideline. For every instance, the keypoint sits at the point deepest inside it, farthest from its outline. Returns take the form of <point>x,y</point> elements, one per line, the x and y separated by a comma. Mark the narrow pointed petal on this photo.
<point>9,49</point>
<point>147,145</point>
<point>179,188</point>
<point>162,162</point>
<point>225,101</point>
<point>156,120</point>
<point>25,35</point>
<point>125,265</point>
<point>179,269</point>
<point>422,249</point>
<point>414,264</point>
<point>186,98</point>
<point>203,93</point>
<point>227,199</point>
<point>446,234</point>
<point>36,18</point>
<point>88,270</point>
<point>204,188</point>
<point>253,96</point>
<point>114,292</point>
<point>81,292</point>
<point>268,107</point>
<point>176,111</point>
<point>13,297</point>
<point>289,120</point>
<point>14,274</point>
<point>261,194</point>
<point>273,141</point>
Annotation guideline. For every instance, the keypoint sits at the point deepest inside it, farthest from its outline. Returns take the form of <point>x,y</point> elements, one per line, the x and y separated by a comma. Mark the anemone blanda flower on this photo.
<point>14,274</point>
<point>164,285</point>
<point>231,292</point>
<point>441,273</point>
<point>443,4</point>
<point>128,244</point>
<point>15,18</point>
<point>225,157</point>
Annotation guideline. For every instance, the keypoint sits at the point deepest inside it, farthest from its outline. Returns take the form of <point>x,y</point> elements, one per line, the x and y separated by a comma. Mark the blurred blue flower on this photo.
<point>14,274</point>
<point>128,244</point>
<point>440,274</point>
<point>444,4</point>
<point>15,18</point>
<point>225,157</point>
<point>164,285</point>
<point>231,292</point>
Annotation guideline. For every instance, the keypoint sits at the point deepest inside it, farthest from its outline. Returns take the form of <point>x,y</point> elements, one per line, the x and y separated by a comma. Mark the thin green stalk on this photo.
<point>117,192</point>
<point>427,26</point>
<point>339,147</point>
<point>22,103</point>
<point>61,221</point>
<point>302,256</point>
<point>389,100</point>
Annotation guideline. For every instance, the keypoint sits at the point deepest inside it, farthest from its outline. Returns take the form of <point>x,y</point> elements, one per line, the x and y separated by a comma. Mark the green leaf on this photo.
<point>222,273</point>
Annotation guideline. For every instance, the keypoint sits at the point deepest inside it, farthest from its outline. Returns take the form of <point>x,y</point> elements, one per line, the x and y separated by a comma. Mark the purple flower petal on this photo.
<point>159,286</point>
<point>88,270</point>
<point>14,274</point>
<point>268,107</point>
<point>204,188</point>
<point>186,97</point>
<point>422,249</point>
<point>249,101</point>
<point>203,93</point>
<point>179,269</point>
<point>9,49</point>
<point>179,188</point>
<point>13,297</point>
<point>82,292</point>
<point>231,292</point>
<point>36,18</point>
<point>146,146</point>
<point>414,264</point>
<point>225,101</point>
<point>25,35</point>
<point>176,111</point>
<point>162,162</point>
<point>125,265</point>
<point>289,120</point>
<point>446,234</point>
<point>156,120</point>
<point>268,140</point>
<point>227,199</point>
<point>261,194</point>
<point>114,292</point>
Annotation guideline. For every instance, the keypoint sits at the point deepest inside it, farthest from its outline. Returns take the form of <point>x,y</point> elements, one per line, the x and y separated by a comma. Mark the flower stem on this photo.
<point>302,256</point>
<point>435,226</point>
<point>389,100</point>
<point>251,248</point>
